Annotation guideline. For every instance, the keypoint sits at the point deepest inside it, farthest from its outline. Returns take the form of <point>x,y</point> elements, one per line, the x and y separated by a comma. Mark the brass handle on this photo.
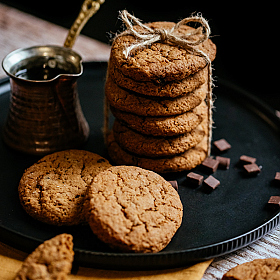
<point>88,9</point>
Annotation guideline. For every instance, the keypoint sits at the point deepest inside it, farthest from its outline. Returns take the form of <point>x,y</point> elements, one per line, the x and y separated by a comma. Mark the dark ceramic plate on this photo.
<point>216,223</point>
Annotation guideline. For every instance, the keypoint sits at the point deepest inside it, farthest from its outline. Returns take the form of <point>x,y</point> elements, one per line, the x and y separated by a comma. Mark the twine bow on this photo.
<point>188,41</point>
<point>150,36</point>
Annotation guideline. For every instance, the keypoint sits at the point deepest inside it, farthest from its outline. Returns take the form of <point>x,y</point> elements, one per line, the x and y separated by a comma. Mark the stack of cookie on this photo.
<point>157,95</point>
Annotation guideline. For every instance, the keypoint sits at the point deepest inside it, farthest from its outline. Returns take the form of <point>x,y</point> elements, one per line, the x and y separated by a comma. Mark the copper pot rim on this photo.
<point>18,55</point>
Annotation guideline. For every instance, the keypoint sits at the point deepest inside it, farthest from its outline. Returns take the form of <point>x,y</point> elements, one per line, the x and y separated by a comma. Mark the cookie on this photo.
<point>133,210</point>
<point>53,189</point>
<point>50,260</point>
<point>141,105</point>
<point>261,269</point>
<point>150,146</point>
<point>163,126</point>
<point>160,88</point>
<point>161,60</point>
<point>185,161</point>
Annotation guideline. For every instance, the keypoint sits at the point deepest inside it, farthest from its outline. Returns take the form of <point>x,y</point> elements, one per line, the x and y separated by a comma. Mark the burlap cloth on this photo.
<point>11,260</point>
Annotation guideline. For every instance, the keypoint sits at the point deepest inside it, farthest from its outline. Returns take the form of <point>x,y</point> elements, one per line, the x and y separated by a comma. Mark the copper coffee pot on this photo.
<point>45,113</point>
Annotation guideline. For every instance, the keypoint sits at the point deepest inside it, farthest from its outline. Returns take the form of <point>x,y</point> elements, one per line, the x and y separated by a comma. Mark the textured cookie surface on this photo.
<point>163,126</point>
<point>160,88</point>
<point>53,189</point>
<point>51,260</point>
<point>185,161</point>
<point>150,146</point>
<point>261,269</point>
<point>138,104</point>
<point>160,60</point>
<point>133,209</point>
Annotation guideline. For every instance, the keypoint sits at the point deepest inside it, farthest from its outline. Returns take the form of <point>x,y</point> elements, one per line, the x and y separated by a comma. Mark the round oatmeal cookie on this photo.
<point>160,88</point>
<point>53,189</point>
<point>142,105</point>
<point>161,60</point>
<point>151,146</point>
<point>163,126</point>
<point>261,269</point>
<point>181,162</point>
<point>133,210</point>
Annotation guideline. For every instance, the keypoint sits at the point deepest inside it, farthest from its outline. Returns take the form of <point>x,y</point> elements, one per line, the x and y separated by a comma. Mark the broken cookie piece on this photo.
<point>257,269</point>
<point>50,260</point>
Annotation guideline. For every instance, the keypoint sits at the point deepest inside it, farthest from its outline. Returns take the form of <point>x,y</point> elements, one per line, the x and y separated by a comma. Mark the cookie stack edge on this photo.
<point>158,112</point>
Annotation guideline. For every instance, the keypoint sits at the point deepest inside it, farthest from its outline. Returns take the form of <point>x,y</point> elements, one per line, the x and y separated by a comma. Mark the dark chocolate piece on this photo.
<point>210,165</point>
<point>274,201</point>
<point>277,178</point>
<point>222,145</point>
<point>174,184</point>
<point>211,182</point>
<point>194,179</point>
<point>224,162</point>
<point>246,159</point>
<point>252,169</point>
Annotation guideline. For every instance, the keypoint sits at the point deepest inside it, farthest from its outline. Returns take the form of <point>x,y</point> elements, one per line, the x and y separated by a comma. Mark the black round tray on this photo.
<point>232,216</point>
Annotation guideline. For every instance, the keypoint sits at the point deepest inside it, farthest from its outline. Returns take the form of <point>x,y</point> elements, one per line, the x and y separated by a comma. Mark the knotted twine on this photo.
<point>149,36</point>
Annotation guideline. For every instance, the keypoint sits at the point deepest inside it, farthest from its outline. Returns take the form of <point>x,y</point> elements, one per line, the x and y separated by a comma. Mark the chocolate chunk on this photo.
<point>224,162</point>
<point>210,165</point>
<point>174,184</point>
<point>252,169</point>
<point>274,201</point>
<point>194,179</point>
<point>211,183</point>
<point>277,178</point>
<point>246,159</point>
<point>222,145</point>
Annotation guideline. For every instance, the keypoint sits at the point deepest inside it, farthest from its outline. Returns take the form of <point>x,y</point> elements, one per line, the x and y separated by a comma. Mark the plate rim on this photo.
<point>85,257</point>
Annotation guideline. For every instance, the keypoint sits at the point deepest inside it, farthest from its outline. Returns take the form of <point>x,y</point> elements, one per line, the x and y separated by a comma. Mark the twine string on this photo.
<point>188,41</point>
<point>149,36</point>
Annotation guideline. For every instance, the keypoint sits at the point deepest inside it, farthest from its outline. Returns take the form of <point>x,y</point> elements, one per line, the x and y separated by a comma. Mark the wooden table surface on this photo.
<point>19,30</point>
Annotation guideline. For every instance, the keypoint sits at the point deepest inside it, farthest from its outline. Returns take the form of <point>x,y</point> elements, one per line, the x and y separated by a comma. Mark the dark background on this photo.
<point>246,34</point>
